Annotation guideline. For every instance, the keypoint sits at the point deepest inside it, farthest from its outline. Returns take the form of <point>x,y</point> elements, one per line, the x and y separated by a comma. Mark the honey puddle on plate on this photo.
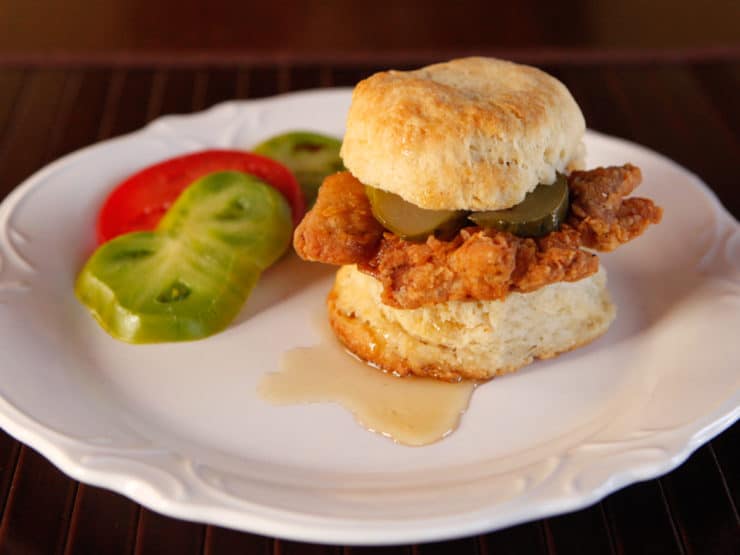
<point>410,410</point>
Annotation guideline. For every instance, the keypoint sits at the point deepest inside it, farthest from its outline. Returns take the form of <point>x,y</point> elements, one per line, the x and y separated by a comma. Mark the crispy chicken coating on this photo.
<point>600,212</point>
<point>477,264</point>
<point>340,228</point>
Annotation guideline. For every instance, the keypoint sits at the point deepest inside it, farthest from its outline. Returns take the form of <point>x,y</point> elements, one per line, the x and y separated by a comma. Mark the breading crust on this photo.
<point>477,264</point>
<point>340,228</point>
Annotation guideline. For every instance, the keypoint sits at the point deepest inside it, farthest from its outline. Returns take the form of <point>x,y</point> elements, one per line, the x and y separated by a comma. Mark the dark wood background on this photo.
<point>339,26</point>
<point>664,74</point>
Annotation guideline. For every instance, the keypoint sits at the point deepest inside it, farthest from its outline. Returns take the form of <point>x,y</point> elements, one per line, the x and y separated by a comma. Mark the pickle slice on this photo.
<point>407,220</point>
<point>541,212</point>
<point>310,156</point>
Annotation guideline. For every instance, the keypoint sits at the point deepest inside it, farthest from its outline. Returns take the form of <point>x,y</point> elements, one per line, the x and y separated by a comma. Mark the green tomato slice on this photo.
<point>190,277</point>
<point>310,156</point>
<point>541,212</point>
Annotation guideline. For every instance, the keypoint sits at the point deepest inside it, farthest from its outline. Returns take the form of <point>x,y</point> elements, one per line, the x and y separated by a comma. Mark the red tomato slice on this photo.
<point>140,201</point>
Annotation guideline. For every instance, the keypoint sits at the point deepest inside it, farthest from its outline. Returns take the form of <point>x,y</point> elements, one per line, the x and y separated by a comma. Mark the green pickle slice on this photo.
<point>410,222</point>
<point>190,277</point>
<point>310,156</point>
<point>541,212</point>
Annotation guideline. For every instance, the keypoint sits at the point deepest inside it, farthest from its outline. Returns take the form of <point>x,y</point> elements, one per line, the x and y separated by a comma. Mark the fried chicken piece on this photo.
<point>477,264</point>
<point>599,211</point>
<point>469,266</point>
<point>340,229</point>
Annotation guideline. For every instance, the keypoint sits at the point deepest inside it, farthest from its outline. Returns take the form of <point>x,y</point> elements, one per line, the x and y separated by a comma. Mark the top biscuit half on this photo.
<point>469,134</point>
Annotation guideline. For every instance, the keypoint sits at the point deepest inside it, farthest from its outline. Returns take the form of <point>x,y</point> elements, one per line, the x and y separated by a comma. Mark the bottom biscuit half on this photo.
<point>474,339</point>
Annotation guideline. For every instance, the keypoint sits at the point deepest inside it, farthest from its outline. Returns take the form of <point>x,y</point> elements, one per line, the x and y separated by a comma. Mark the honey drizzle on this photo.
<point>410,410</point>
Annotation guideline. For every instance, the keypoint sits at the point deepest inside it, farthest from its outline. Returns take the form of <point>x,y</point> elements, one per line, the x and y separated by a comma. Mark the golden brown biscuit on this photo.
<point>472,134</point>
<point>475,339</point>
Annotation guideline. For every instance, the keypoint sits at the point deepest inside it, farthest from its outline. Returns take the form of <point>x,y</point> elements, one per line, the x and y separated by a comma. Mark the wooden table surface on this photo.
<point>684,105</point>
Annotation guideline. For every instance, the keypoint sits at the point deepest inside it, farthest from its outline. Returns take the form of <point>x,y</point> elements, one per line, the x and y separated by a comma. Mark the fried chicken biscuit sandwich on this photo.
<point>465,225</point>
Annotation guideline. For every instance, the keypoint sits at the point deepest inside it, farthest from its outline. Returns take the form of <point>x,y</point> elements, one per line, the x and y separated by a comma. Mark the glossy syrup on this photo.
<point>410,410</point>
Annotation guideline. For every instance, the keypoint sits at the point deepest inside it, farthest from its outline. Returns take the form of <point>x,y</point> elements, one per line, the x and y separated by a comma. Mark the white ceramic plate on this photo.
<point>179,427</point>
